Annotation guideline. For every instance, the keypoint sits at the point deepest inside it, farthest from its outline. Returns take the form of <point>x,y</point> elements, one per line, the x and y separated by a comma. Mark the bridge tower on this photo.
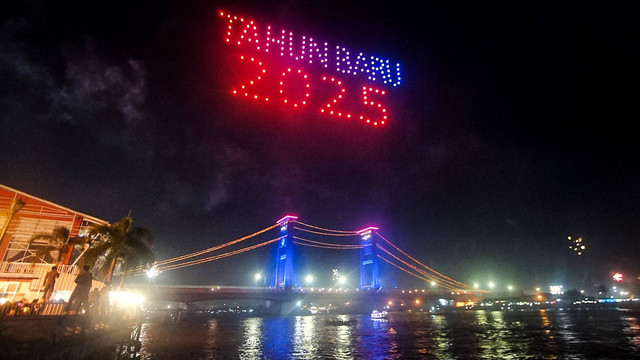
<point>369,271</point>
<point>284,255</point>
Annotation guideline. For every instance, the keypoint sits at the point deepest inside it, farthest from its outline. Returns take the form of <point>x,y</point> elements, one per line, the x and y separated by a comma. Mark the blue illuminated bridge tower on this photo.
<point>284,256</point>
<point>284,273</point>
<point>369,270</point>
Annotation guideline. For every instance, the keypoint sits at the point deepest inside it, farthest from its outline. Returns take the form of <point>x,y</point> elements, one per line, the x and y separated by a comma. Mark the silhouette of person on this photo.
<point>50,283</point>
<point>80,295</point>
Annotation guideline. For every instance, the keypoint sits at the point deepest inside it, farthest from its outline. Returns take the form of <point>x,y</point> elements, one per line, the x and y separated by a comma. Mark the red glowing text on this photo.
<point>278,67</point>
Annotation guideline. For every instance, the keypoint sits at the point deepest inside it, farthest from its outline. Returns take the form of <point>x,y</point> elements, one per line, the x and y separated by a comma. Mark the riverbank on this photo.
<point>63,337</point>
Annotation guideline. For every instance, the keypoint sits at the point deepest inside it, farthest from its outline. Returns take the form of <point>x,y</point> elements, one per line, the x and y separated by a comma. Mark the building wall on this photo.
<point>21,273</point>
<point>36,216</point>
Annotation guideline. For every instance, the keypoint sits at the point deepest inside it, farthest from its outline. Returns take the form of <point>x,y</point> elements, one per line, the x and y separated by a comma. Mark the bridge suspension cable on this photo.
<point>458,283</point>
<point>425,273</point>
<point>210,258</point>
<point>322,233</point>
<point>213,248</point>
<point>430,277</point>
<point>446,286</point>
<point>429,274</point>
<point>313,243</point>
<point>349,232</point>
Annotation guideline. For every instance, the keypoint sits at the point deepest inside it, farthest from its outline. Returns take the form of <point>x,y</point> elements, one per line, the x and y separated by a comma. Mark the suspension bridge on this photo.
<point>285,289</point>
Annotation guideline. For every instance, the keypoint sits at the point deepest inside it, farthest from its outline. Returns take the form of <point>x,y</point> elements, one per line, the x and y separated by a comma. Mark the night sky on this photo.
<point>512,129</point>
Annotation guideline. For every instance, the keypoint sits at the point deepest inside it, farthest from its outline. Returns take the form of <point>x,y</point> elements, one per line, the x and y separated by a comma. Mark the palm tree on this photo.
<point>58,240</point>
<point>120,244</point>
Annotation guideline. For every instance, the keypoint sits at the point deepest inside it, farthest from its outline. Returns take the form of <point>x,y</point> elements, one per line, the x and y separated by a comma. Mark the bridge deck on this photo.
<point>190,294</point>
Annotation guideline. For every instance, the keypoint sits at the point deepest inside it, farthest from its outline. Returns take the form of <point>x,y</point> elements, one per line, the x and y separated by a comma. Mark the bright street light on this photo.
<point>342,280</point>
<point>491,285</point>
<point>308,279</point>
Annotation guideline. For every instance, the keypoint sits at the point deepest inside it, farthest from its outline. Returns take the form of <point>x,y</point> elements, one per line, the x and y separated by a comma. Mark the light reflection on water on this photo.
<point>251,347</point>
<point>633,328</point>
<point>480,334</point>
<point>304,336</point>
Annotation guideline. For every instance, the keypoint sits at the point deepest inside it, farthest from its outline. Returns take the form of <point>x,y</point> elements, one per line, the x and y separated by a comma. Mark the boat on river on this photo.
<point>379,315</point>
<point>339,322</point>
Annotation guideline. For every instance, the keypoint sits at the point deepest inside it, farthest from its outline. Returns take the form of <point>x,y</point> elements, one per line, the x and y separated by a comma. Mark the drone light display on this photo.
<point>300,73</point>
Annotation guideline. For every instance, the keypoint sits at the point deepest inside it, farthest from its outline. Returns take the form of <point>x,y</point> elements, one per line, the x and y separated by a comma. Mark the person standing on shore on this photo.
<point>49,283</point>
<point>80,295</point>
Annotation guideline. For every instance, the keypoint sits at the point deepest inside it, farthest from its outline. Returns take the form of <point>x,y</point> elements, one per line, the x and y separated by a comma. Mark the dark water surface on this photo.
<point>473,334</point>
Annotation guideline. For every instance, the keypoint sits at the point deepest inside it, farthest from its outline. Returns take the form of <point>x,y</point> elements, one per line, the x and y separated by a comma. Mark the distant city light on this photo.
<point>556,289</point>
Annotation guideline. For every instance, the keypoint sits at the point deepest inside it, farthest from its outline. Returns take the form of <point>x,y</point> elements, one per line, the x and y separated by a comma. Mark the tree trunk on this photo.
<point>112,268</point>
<point>67,255</point>
<point>124,273</point>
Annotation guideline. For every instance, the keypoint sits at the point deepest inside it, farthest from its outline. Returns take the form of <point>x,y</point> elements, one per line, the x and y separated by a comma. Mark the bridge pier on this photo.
<point>286,308</point>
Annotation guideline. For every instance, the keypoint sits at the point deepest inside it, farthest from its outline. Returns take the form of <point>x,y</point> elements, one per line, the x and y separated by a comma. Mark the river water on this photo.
<point>471,334</point>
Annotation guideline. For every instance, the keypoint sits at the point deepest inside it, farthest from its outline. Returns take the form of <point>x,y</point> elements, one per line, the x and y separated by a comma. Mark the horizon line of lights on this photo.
<point>308,50</point>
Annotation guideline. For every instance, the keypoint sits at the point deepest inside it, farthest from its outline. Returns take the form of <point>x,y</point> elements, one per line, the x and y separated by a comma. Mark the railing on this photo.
<point>31,309</point>
<point>64,283</point>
